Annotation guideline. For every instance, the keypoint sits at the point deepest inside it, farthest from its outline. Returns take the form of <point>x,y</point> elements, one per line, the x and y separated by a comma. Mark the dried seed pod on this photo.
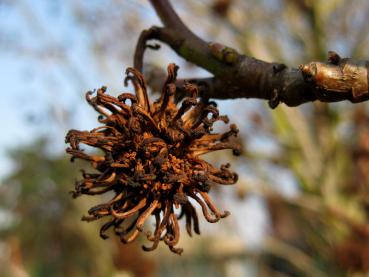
<point>151,161</point>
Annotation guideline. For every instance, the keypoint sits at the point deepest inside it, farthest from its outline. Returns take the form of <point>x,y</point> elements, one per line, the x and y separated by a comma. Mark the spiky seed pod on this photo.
<point>151,160</point>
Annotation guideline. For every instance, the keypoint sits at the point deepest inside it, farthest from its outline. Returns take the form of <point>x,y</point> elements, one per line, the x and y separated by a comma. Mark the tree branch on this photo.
<point>240,76</point>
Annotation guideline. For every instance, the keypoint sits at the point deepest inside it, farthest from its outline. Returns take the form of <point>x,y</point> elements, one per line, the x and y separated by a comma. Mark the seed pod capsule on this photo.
<point>151,161</point>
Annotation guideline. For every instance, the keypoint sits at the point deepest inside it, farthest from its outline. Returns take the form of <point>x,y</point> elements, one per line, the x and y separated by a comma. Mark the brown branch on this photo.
<point>240,76</point>
<point>169,17</point>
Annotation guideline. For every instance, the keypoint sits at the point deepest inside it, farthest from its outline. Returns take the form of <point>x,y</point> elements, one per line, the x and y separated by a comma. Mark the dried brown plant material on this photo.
<point>151,161</point>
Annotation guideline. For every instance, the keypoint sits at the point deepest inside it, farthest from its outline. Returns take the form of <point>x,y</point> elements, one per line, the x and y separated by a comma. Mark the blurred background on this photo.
<point>301,205</point>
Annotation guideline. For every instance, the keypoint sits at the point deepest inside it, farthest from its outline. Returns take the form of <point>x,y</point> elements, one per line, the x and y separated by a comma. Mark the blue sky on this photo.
<point>46,66</point>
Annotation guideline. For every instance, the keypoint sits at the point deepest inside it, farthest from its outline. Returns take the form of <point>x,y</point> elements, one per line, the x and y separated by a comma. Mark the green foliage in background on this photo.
<point>46,230</point>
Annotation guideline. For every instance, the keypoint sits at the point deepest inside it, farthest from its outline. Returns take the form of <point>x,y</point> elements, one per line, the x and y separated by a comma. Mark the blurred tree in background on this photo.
<point>318,214</point>
<point>44,238</point>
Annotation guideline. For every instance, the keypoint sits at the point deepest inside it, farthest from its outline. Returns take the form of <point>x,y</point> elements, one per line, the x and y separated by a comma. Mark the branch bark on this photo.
<point>240,76</point>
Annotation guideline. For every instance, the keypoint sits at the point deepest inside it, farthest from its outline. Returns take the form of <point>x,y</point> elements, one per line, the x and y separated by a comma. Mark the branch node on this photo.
<point>274,99</point>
